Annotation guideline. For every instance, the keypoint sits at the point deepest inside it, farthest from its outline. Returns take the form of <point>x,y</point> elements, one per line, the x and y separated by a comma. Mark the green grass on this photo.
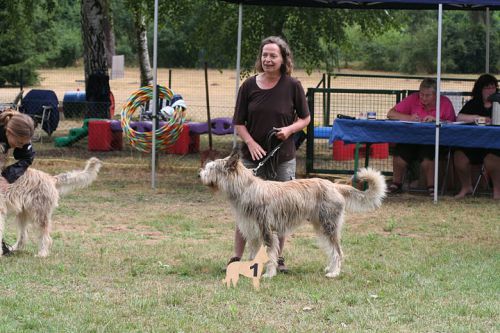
<point>126,258</point>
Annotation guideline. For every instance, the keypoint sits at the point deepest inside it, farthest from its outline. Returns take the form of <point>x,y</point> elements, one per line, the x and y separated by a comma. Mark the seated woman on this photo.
<point>478,106</point>
<point>420,106</point>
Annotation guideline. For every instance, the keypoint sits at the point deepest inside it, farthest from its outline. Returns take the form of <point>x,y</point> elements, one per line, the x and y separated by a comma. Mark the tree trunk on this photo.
<point>97,88</point>
<point>109,33</point>
<point>142,47</point>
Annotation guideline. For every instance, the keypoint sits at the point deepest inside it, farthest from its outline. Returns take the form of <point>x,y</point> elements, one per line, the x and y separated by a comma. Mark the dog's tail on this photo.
<point>72,180</point>
<point>361,201</point>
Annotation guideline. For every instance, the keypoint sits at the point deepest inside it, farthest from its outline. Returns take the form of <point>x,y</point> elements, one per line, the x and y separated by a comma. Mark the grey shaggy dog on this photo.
<point>267,209</point>
<point>34,196</point>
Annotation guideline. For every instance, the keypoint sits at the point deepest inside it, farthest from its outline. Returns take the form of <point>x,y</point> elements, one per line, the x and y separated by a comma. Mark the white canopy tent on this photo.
<point>384,4</point>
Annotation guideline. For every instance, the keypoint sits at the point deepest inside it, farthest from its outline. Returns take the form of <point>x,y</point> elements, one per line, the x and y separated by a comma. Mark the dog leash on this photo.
<point>271,154</point>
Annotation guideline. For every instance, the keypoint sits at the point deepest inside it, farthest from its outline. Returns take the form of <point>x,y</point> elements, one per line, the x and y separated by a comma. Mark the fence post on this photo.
<point>326,116</point>
<point>310,132</point>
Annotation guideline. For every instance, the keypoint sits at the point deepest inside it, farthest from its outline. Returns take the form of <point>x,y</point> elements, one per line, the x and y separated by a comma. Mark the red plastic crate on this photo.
<point>100,136</point>
<point>379,150</point>
<point>186,143</point>
<point>194,143</point>
<point>116,140</point>
<point>345,152</point>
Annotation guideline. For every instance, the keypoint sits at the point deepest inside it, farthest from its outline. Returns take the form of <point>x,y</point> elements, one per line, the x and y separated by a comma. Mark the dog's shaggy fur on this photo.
<point>266,209</point>
<point>34,196</point>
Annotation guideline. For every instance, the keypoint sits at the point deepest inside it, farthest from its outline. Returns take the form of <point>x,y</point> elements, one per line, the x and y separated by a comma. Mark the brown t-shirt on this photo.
<point>262,109</point>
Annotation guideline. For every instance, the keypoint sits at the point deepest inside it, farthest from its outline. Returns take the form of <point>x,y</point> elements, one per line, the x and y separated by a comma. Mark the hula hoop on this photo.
<point>166,135</point>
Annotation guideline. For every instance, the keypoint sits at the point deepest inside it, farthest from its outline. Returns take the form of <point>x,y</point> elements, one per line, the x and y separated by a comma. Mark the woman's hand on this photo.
<point>414,117</point>
<point>255,150</point>
<point>429,119</point>
<point>283,133</point>
<point>393,114</point>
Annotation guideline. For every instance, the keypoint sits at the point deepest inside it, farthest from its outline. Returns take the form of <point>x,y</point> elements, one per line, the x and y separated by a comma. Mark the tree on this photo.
<point>65,48</point>
<point>94,58</point>
<point>109,33</point>
<point>314,34</point>
<point>194,31</point>
<point>412,47</point>
<point>26,30</point>
<point>140,16</point>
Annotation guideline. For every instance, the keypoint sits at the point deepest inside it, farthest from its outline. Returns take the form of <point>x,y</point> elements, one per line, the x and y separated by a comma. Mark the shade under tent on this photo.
<point>482,5</point>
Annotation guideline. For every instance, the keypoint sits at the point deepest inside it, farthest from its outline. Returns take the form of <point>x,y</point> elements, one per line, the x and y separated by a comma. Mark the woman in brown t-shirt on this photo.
<point>270,100</point>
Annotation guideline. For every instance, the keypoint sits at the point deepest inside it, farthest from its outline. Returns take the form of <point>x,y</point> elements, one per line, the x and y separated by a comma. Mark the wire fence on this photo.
<point>71,135</point>
<point>356,95</point>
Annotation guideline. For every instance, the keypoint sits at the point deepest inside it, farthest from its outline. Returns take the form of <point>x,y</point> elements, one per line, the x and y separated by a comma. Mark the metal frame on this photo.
<point>327,113</point>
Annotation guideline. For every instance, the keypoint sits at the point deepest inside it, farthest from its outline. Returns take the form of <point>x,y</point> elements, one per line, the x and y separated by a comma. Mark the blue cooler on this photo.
<point>74,104</point>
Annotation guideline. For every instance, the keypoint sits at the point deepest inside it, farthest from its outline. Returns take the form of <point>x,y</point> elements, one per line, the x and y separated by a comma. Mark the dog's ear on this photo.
<point>232,161</point>
<point>208,156</point>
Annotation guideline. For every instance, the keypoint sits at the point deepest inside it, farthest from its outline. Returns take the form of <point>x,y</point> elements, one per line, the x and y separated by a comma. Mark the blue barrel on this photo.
<point>74,104</point>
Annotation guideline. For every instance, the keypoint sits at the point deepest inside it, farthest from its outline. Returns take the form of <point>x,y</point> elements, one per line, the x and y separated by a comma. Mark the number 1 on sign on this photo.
<point>255,268</point>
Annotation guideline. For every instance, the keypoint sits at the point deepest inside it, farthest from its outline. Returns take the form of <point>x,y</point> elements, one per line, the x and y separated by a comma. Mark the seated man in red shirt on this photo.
<point>419,106</point>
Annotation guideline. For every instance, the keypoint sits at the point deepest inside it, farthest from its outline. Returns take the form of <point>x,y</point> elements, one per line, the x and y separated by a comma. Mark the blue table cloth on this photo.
<point>373,131</point>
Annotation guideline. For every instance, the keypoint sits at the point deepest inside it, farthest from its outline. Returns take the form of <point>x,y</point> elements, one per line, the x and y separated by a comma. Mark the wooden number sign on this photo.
<point>252,269</point>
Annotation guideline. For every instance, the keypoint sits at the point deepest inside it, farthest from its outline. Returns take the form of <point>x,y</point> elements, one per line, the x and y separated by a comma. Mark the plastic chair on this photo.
<point>42,106</point>
<point>449,164</point>
<point>14,104</point>
<point>457,99</point>
<point>482,174</point>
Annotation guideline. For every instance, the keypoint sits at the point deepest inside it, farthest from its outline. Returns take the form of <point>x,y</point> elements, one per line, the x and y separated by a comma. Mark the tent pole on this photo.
<point>438,103</point>
<point>487,61</point>
<point>155,98</point>
<point>238,63</point>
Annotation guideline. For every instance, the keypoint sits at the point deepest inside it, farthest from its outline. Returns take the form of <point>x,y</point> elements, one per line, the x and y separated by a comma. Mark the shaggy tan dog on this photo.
<point>266,209</point>
<point>35,195</point>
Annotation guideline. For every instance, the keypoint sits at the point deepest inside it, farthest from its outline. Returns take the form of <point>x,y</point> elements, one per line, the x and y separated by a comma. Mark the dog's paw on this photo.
<point>269,273</point>
<point>42,255</point>
<point>327,269</point>
<point>332,275</point>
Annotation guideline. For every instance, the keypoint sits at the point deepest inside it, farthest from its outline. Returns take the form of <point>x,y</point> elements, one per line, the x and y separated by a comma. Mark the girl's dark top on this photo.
<point>476,106</point>
<point>262,109</point>
<point>24,157</point>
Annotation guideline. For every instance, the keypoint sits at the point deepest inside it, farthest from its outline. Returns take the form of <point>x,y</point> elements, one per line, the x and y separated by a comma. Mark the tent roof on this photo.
<point>382,4</point>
